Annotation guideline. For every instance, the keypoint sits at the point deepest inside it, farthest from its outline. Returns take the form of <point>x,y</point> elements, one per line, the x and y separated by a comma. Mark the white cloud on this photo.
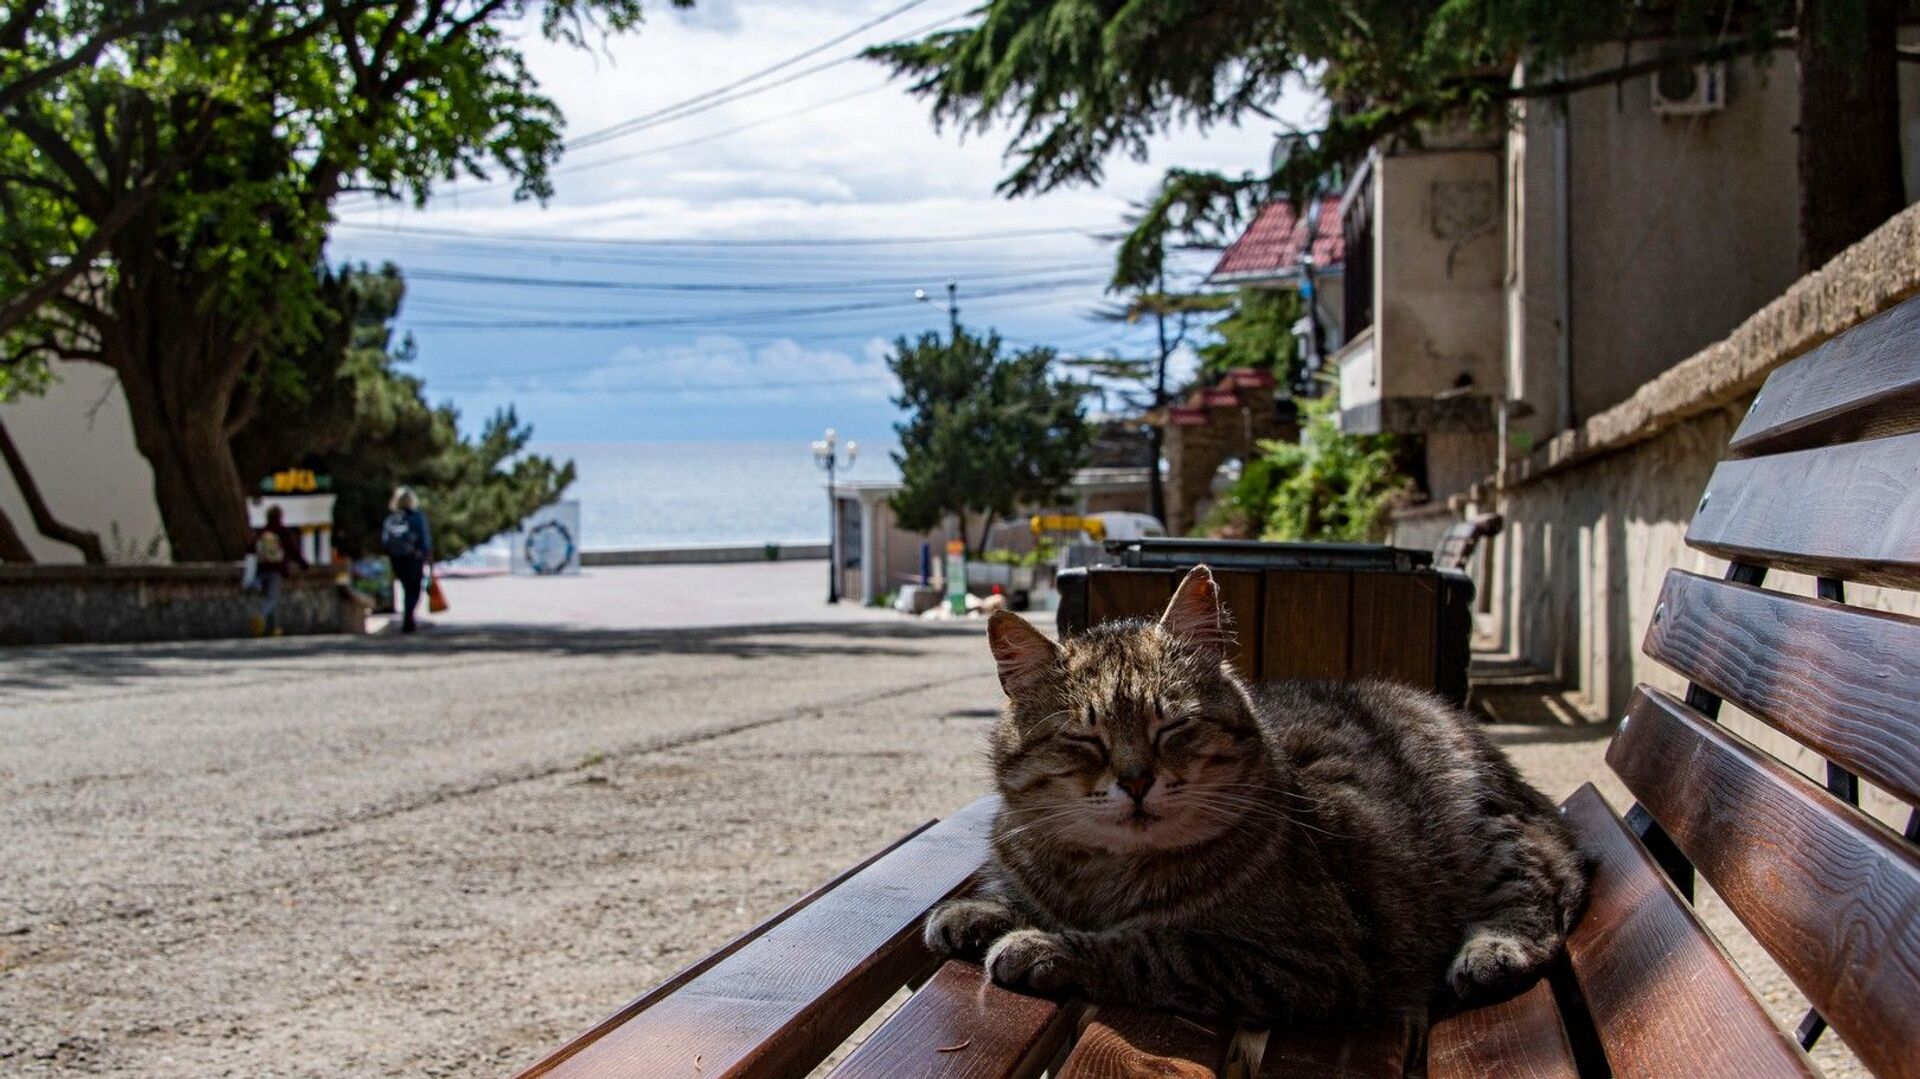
<point>719,368</point>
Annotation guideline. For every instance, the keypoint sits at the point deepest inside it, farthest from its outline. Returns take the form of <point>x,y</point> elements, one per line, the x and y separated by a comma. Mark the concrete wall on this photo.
<point>705,553</point>
<point>1684,225</point>
<point>77,439</point>
<point>1439,311</point>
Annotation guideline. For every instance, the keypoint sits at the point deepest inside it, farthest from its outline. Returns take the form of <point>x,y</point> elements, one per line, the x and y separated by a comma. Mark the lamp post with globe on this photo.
<point>827,455</point>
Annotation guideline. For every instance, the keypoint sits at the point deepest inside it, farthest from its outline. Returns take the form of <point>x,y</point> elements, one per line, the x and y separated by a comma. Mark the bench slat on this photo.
<point>1664,996</point>
<point>1833,895</point>
<point>962,1026</point>
<point>1522,1037</point>
<point>780,1003</point>
<point>1378,1051</point>
<point>1851,512</point>
<point>1843,680</point>
<point>1122,1043</point>
<point>1862,384</point>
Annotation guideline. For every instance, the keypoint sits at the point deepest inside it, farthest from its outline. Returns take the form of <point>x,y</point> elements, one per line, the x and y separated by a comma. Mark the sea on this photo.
<point>670,494</point>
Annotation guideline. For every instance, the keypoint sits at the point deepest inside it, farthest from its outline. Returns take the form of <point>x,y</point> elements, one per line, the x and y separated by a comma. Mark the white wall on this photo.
<point>77,439</point>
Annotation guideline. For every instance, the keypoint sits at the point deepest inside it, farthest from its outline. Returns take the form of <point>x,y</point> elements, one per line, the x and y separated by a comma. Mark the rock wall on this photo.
<point>74,604</point>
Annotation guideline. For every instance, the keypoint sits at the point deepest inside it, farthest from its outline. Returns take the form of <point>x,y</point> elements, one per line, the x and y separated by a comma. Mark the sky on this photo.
<point>737,269</point>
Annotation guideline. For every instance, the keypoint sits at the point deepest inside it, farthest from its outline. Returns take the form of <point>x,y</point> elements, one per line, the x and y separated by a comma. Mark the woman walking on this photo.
<point>409,544</point>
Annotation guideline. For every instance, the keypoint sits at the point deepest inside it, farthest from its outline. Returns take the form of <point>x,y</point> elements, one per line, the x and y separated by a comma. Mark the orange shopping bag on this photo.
<point>436,599</point>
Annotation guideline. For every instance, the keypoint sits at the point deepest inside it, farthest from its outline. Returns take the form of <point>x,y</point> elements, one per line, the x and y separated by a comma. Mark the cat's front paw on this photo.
<point>1491,959</point>
<point>1032,961</point>
<point>965,927</point>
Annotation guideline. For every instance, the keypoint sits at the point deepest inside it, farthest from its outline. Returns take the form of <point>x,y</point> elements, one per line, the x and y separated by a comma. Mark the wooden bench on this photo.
<point>1823,478</point>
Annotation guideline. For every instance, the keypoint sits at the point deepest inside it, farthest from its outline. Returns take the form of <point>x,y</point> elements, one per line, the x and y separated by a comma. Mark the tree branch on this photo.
<point>12,547</point>
<point>51,527</point>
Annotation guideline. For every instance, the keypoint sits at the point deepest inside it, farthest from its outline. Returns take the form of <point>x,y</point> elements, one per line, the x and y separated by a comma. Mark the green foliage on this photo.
<point>1078,81</point>
<point>348,409</point>
<point>1043,552</point>
<point>177,189</point>
<point>985,433</point>
<point>1329,485</point>
<point>1257,333</point>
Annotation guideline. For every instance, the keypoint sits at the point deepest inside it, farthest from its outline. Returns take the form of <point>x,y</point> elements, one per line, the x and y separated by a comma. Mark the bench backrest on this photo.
<point>1822,478</point>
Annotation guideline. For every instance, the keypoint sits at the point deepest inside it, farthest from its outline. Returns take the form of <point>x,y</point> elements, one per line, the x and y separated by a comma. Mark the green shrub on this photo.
<point>1329,486</point>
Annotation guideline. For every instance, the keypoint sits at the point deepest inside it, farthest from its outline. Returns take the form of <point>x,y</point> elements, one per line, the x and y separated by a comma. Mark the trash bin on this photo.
<point>1300,610</point>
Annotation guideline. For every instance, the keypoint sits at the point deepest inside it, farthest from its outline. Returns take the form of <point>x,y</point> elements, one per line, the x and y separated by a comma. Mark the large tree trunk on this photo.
<point>200,496</point>
<point>1850,179</point>
<point>88,543</point>
<point>180,368</point>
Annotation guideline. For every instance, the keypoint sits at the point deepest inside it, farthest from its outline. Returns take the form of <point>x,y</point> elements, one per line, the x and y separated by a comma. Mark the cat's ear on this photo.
<point>1021,651</point>
<point>1194,613</point>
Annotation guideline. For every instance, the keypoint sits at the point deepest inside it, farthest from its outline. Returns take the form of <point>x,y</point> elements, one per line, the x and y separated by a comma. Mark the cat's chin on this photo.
<point>1161,835</point>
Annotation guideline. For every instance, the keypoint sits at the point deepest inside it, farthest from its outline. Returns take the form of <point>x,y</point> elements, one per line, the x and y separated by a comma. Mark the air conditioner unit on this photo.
<point>1690,89</point>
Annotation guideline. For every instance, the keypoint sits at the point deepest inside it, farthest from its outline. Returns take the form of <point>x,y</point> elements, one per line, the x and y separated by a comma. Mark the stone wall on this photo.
<point>72,604</point>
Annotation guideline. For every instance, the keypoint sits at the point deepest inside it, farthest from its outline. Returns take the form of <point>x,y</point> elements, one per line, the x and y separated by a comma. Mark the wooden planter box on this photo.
<point>1301,610</point>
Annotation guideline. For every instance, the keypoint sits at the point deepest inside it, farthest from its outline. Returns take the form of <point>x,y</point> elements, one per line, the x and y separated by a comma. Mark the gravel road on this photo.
<point>444,855</point>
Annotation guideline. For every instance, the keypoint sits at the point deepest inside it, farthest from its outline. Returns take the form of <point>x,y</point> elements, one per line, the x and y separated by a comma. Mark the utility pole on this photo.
<point>1157,433</point>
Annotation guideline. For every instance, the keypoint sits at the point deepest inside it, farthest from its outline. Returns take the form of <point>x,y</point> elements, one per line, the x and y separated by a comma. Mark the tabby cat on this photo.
<point>1170,836</point>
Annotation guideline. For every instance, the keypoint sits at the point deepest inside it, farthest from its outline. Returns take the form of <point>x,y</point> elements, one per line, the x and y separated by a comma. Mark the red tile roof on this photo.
<point>1271,245</point>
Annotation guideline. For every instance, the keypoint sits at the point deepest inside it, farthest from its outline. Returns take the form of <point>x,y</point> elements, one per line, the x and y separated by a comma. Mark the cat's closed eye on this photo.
<point>1173,733</point>
<point>1085,743</point>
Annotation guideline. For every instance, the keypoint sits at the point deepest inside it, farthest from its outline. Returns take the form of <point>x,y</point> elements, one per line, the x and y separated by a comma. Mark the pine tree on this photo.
<point>985,433</point>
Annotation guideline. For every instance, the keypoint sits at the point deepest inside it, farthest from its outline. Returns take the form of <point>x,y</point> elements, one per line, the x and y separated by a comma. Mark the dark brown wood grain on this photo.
<point>1306,625</point>
<point>1127,593</point>
<point>780,1003</point>
<point>1378,1051</point>
<point>1843,680</point>
<point>1833,895</point>
<point>961,1026</point>
<point>1522,1037</point>
<point>1240,592</point>
<point>1395,619</point>
<point>1862,384</point>
<point>1851,512</point>
<point>1665,999</point>
<point>1132,1043</point>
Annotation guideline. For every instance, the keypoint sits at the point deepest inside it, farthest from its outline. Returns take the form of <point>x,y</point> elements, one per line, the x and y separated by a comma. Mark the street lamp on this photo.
<point>952,307</point>
<point>826,455</point>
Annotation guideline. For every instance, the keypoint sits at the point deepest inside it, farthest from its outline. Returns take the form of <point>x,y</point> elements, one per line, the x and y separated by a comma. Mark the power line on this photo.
<point>706,98</point>
<point>729,319</point>
<point>470,278</point>
<point>496,186</point>
<point>718,242</point>
<point>685,387</point>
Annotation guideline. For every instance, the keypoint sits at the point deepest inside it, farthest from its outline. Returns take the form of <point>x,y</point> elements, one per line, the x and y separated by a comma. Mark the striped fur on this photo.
<point>1173,838</point>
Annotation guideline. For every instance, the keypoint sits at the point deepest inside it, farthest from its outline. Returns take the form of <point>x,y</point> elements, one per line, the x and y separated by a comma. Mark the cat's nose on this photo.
<point>1136,782</point>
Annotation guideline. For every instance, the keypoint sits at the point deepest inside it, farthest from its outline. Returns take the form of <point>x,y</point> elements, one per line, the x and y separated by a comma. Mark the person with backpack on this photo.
<point>276,550</point>
<point>409,544</point>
